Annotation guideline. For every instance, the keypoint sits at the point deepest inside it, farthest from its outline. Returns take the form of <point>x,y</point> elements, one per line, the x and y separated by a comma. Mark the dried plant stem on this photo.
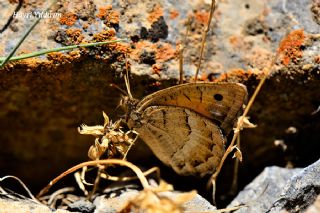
<point>181,50</point>
<point>22,184</point>
<point>54,195</point>
<point>238,128</point>
<point>204,37</point>
<point>96,182</point>
<point>130,146</point>
<point>234,185</point>
<point>146,173</point>
<point>134,168</point>
<point>240,123</point>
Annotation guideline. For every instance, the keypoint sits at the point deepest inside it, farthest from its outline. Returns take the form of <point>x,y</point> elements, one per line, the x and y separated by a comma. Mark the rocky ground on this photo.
<point>44,99</point>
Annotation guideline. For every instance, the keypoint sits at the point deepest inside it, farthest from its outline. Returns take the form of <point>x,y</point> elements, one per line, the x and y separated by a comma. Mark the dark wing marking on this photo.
<point>219,102</point>
<point>188,142</point>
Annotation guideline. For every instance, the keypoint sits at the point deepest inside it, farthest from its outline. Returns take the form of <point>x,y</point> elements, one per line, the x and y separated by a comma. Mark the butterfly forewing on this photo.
<point>190,143</point>
<point>219,102</point>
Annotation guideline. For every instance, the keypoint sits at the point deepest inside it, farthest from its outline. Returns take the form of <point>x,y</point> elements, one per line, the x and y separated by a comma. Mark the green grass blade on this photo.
<point>42,52</point>
<point>22,39</point>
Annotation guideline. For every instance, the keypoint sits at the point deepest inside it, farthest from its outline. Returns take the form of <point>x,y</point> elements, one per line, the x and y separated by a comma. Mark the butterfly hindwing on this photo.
<point>219,102</point>
<point>190,143</point>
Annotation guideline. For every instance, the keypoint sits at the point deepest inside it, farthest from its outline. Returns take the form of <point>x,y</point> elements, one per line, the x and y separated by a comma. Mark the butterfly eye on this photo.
<point>218,97</point>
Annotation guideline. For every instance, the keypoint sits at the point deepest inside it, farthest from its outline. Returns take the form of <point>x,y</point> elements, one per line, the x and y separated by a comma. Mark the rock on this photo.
<point>315,207</point>
<point>263,190</point>
<point>300,191</point>
<point>277,189</point>
<point>115,204</point>
<point>198,204</point>
<point>8,205</point>
<point>82,206</point>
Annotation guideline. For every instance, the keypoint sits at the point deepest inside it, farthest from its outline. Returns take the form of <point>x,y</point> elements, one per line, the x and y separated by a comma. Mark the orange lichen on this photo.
<point>237,75</point>
<point>58,57</point>
<point>156,13</point>
<point>202,17</point>
<point>164,52</point>
<point>112,17</point>
<point>120,47</point>
<point>29,63</point>
<point>75,35</point>
<point>173,14</point>
<point>139,46</point>
<point>317,59</point>
<point>103,11</point>
<point>68,19</point>
<point>204,77</point>
<point>104,35</point>
<point>61,58</point>
<point>290,47</point>
<point>75,53</point>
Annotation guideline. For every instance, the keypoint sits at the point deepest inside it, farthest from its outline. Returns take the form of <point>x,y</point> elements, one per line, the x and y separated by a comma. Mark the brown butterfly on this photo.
<point>186,125</point>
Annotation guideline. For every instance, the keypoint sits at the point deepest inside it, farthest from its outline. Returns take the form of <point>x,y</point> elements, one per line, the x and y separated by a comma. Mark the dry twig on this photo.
<point>22,184</point>
<point>181,50</point>
<point>240,123</point>
<point>204,37</point>
<point>133,167</point>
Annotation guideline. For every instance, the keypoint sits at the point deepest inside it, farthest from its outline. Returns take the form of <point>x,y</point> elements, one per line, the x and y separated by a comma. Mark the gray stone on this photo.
<point>263,190</point>
<point>300,191</point>
<point>83,206</point>
<point>277,189</point>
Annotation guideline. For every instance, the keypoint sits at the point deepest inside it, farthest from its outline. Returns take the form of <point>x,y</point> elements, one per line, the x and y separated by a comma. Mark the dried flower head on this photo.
<point>111,141</point>
<point>151,200</point>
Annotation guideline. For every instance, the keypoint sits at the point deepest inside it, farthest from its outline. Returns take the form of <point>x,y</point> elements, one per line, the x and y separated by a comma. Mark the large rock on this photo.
<point>277,189</point>
<point>260,194</point>
<point>300,191</point>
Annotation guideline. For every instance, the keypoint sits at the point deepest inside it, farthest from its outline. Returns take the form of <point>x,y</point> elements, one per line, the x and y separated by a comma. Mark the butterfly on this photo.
<point>186,125</point>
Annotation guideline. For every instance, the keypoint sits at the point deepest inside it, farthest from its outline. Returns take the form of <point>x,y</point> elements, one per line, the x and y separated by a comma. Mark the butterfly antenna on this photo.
<point>204,37</point>
<point>121,90</point>
<point>126,80</point>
